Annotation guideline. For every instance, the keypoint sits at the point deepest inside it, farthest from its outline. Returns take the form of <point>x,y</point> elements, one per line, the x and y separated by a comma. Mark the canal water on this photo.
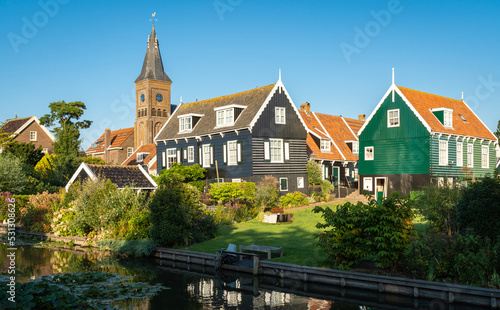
<point>197,287</point>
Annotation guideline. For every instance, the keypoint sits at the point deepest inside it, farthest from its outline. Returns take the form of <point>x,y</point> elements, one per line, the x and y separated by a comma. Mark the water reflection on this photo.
<point>199,287</point>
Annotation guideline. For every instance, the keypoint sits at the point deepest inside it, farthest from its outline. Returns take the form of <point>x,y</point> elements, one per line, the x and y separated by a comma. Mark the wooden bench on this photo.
<point>262,248</point>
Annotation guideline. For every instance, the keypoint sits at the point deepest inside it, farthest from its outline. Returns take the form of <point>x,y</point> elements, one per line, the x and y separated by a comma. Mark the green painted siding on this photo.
<point>439,115</point>
<point>397,150</point>
<point>455,170</point>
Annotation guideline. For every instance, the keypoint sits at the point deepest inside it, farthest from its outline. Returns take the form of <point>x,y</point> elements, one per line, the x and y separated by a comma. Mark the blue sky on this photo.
<point>337,55</point>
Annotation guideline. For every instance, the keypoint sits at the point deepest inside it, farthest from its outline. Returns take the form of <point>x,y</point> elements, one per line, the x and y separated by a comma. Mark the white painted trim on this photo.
<point>168,120</point>
<point>150,179</point>
<point>480,120</point>
<point>152,161</point>
<point>231,106</point>
<point>350,129</point>
<point>83,166</point>
<point>385,186</point>
<point>395,88</point>
<point>28,122</point>
<point>335,144</point>
<point>190,115</point>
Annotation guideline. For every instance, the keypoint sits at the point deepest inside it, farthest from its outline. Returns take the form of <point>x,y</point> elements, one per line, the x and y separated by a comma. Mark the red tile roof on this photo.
<point>117,138</point>
<point>146,148</point>
<point>340,133</point>
<point>424,102</point>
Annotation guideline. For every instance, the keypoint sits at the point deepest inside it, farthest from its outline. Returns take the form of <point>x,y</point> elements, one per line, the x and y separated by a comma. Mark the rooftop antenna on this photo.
<point>153,19</point>
<point>393,95</point>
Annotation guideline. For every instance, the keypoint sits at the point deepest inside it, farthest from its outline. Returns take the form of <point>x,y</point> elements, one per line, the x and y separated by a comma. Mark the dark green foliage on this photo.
<point>438,205</point>
<point>375,231</point>
<point>314,174</point>
<point>467,260</point>
<point>12,176</point>
<point>176,215</point>
<point>67,116</point>
<point>27,152</point>
<point>92,160</point>
<point>295,199</point>
<point>497,133</point>
<point>479,208</point>
<point>187,174</point>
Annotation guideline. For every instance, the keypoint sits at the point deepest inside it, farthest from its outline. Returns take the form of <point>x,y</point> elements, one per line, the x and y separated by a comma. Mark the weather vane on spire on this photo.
<point>153,20</point>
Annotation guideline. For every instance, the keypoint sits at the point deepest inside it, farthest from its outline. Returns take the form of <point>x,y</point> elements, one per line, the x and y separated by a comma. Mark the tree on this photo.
<point>91,160</point>
<point>314,173</point>
<point>25,151</point>
<point>497,133</point>
<point>12,177</point>
<point>67,134</point>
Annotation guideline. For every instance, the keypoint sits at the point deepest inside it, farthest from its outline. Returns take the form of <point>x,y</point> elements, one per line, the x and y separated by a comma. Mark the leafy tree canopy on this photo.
<point>497,133</point>
<point>67,116</point>
<point>25,151</point>
<point>12,177</point>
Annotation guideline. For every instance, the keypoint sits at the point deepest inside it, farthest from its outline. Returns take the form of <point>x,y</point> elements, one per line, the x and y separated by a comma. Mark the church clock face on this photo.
<point>142,98</point>
<point>159,97</point>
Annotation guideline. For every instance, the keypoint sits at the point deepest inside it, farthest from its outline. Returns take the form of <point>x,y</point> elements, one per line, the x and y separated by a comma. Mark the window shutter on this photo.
<point>224,151</point>
<point>178,156</point>
<point>211,155</point>
<point>267,151</point>
<point>287,151</point>
<point>163,159</point>
<point>200,158</point>
<point>239,152</point>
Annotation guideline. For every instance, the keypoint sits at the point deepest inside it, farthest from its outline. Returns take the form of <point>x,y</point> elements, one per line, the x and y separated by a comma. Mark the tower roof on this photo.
<point>152,68</point>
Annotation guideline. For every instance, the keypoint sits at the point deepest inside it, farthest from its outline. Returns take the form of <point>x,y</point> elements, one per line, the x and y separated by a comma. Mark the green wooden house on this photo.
<point>412,137</point>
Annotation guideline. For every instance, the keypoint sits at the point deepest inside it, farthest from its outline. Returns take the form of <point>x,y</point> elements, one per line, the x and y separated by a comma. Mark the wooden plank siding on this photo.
<point>296,164</point>
<point>455,170</point>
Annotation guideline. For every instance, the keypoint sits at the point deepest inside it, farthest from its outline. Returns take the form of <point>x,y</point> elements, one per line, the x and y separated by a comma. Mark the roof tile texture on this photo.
<point>117,139</point>
<point>122,176</point>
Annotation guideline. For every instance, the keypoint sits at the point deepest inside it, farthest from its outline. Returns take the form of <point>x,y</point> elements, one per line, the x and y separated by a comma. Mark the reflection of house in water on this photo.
<point>237,293</point>
<point>319,304</point>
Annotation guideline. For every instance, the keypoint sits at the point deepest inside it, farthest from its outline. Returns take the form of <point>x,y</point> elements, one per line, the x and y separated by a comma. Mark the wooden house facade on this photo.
<point>332,141</point>
<point>239,137</point>
<point>29,130</point>
<point>414,137</point>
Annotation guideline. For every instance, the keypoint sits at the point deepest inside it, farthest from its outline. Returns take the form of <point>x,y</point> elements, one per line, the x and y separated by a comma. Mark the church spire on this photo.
<point>152,68</point>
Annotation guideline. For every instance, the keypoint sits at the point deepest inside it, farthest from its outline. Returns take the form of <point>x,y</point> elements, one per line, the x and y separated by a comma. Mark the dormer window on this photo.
<point>188,121</point>
<point>227,115</point>
<point>444,115</point>
<point>325,145</point>
<point>141,157</point>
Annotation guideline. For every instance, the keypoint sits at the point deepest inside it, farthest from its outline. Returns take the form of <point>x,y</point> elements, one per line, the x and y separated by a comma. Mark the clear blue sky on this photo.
<point>337,55</point>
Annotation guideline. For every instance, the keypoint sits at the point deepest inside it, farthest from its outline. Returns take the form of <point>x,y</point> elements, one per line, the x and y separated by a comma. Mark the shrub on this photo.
<point>12,176</point>
<point>225,191</point>
<point>377,231</point>
<point>479,208</point>
<point>133,248</point>
<point>438,205</point>
<point>314,173</point>
<point>295,199</point>
<point>189,174</point>
<point>267,193</point>
<point>326,189</point>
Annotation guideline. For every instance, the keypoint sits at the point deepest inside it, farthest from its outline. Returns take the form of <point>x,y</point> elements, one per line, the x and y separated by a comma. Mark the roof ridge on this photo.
<point>225,96</point>
<point>427,93</point>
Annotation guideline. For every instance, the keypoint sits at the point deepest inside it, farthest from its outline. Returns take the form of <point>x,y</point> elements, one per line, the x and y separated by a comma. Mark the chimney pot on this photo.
<point>362,117</point>
<point>305,107</point>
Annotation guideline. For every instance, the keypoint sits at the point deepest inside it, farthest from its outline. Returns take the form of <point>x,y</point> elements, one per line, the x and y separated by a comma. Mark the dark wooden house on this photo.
<point>239,137</point>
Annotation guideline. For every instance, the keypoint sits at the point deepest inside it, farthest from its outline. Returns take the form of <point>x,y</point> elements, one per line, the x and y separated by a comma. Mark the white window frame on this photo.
<point>190,154</point>
<point>368,184</point>
<point>225,117</point>
<point>392,119</point>
<point>372,154</point>
<point>470,155</point>
<point>184,125</point>
<point>443,153</point>
<point>325,145</point>
<point>163,159</point>
<point>355,147</point>
<point>207,154</point>
<point>460,154</point>
<point>281,189</point>
<point>280,115</point>
<point>300,182</point>
<point>276,150</point>
<point>232,153</point>
<point>171,157</point>
<point>33,136</point>
<point>485,156</point>
<point>448,119</point>
<point>130,151</point>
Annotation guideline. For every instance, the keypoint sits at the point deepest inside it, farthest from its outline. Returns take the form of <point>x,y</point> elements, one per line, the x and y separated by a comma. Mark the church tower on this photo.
<point>152,95</point>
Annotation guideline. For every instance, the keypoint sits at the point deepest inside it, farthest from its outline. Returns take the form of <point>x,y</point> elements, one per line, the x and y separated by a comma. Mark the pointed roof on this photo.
<point>145,148</point>
<point>152,68</point>
<point>117,138</point>
<point>17,125</point>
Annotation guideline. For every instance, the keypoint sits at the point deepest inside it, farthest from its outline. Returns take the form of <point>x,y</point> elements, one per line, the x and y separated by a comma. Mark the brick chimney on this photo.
<point>107,143</point>
<point>305,107</point>
<point>362,117</point>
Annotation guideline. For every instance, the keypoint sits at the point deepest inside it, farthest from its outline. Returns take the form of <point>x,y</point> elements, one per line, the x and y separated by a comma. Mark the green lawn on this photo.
<point>297,238</point>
